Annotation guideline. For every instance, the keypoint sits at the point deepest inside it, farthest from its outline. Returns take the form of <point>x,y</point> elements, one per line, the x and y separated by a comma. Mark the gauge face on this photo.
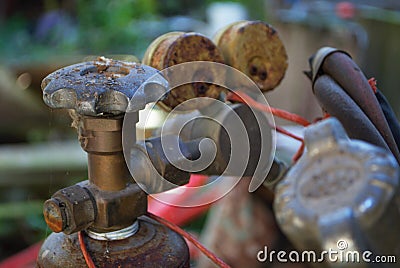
<point>254,48</point>
<point>331,182</point>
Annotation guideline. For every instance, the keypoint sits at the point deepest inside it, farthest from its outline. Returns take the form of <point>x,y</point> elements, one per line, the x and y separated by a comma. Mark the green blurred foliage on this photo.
<point>21,224</point>
<point>91,27</point>
<point>107,26</point>
<point>97,26</point>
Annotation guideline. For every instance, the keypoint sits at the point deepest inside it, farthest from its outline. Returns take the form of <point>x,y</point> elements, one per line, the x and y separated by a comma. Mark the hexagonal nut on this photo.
<point>70,210</point>
<point>117,209</point>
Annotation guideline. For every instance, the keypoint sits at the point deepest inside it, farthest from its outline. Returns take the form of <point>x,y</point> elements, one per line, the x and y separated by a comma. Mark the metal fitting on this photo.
<point>156,149</point>
<point>153,170</point>
<point>210,122</point>
<point>259,136</point>
<point>70,210</point>
<point>340,190</point>
<point>101,138</point>
<point>116,209</point>
<point>99,92</point>
<point>115,235</point>
<point>275,174</point>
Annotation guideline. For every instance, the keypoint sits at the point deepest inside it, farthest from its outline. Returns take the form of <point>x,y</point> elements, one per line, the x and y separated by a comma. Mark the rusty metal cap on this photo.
<point>100,87</point>
<point>174,48</point>
<point>254,48</point>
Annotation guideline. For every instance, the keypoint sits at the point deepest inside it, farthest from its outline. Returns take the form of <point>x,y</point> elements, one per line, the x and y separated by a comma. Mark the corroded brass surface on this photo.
<point>177,47</point>
<point>119,201</point>
<point>101,138</point>
<point>254,48</point>
<point>108,171</point>
<point>115,200</point>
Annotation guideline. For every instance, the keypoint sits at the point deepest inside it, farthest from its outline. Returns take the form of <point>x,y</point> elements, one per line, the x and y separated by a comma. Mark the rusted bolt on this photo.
<point>69,210</point>
<point>54,215</point>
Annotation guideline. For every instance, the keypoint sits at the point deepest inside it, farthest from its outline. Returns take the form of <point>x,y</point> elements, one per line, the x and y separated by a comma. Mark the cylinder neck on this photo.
<point>108,171</point>
<point>101,138</point>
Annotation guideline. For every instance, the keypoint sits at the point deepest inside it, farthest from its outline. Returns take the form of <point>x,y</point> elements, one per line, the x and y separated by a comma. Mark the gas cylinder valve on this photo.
<point>110,205</point>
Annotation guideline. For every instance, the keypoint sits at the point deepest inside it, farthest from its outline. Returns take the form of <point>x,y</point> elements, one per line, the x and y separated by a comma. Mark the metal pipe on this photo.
<point>108,171</point>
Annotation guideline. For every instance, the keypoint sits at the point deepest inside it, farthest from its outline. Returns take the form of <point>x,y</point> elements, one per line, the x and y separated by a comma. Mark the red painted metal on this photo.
<point>23,259</point>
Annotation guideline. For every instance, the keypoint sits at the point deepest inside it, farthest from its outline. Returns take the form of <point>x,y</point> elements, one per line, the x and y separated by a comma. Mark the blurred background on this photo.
<point>39,152</point>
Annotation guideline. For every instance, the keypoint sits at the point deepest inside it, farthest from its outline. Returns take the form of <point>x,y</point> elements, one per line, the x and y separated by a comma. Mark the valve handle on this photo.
<point>101,87</point>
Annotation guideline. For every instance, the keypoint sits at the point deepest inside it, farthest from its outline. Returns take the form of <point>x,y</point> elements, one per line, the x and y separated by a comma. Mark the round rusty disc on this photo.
<point>178,47</point>
<point>254,48</point>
